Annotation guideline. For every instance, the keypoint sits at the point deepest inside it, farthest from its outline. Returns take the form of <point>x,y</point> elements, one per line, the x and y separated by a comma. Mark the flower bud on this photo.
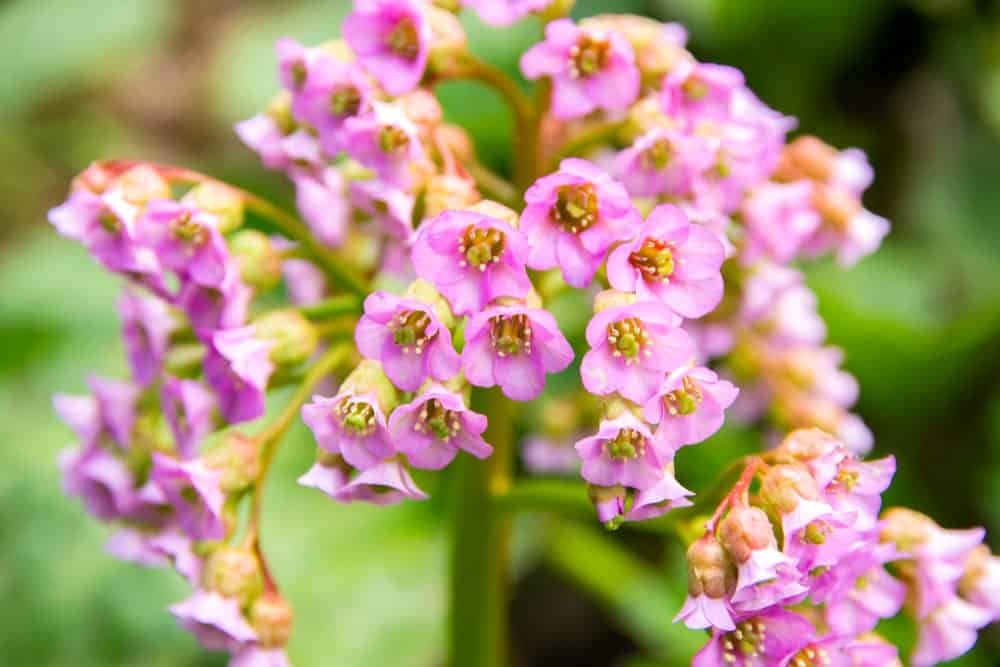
<point>783,486</point>
<point>812,157</point>
<point>238,458</point>
<point>448,44</point>
<point>295,338</point>
<point>709,569</point>
<point>142,184</point>
<point>611,298</point>
<point>745,530</point>
<point>233,572</point>
<point>906,528</point>
<point>448,192</point>
<point>260,262</point>
<point>837,206</point>
<point>559,418</point>
<point>557,9</point>
<point>271,617</point>
<point>645,115</point>
<point>221,201</point>
<point>369,378</point>
<point>279,109</point>
<point>807,444</point>
<point>456,140</point>
<point>423,291</point>
<point>96,178</point>
<point>496,210</point>
<point>423,109</point>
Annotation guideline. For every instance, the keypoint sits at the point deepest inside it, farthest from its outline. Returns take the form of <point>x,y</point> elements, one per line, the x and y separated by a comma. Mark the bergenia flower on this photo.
<point>514,347</point>
<point>472,259</point>
<point>622,452</point>
<point>573,216</point>
<point>100,480</point>
<point>407,337</point>
<point>689,407</point>
<point>590,69</point>
<point>217,622</point>
<point>502,13</point>
<point>238,366</point>
<point>663,161</point>
<point>748,537</point>
<point>322,200</point>
<point>632,348</point>
<point>109,412</point>
<point>659,499</point>
<point>169,546</point>
<point>391,209</point>
<point>980,583</point>
<point>351,425</point>
<point>294,63</point>
<point>434,426</point>
<point>194,491</point>
<point>710,582</point>
<point>701,91</point>
<point>185,241</point>
<point>253,655</point>
<point>779,219</point>
<point>333,91</point>
<point>672,260</point>
<point>189,407</point>
<point>391,39</point>
<point>386,141</point>
<point>948,632</point>
<point>757,640</point>
<point>213,308</point>
<point>146,327</point>
<point>386,483</point>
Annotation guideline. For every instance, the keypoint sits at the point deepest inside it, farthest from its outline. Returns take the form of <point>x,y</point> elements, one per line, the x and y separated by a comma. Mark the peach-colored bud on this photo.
<point>448,44</point>
<point>654,54</point>
<point>142,184</point>
<point>233,572</point>
<point>807,444</point>
<point>447,192</point>
<point>745,530</point>
<point>906,528</point>
<point>271,617</point>
<point>837,206</point>
<point>709,569</point>
<point>95,178</point>
<point>222,201</point>
<point>812,157</point>
<point>784,485</point>
<point>259,260</point>
<point>455,140</point>
<point>423,109</point>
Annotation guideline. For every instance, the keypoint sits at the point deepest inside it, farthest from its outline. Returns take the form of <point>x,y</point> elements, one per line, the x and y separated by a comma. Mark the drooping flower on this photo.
<point>711,579</point>
<point>351,425</point>
<point>672,260</point>
<point>472,258</point>
<point>434,426</point>
<point>100,480</point>
<point>573,216</point>
<point>632,348</point>
<point>386,483</point>
<point>146,328</point>
<point>193,490</point>
<point>757,640</point>
<point>659,499</point>
<point>502,13</point>
<point>408,338</point>
<point>189,407</point>
<point>590,69</point>
<point>514,347</point>
<point>663,161</point>
<point>213,308</point>
<point>689,406</point>
<point>111,411</point>
<point>185,241</point>
<point>391,39</point>
<point>948,631</point>
<point>238,367</point>
<point>386,141</point>
<point>214,620</point>
<point>622,452</point>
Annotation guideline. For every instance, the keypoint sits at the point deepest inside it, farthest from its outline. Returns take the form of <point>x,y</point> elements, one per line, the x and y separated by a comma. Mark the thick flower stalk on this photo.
<point>411,306</point>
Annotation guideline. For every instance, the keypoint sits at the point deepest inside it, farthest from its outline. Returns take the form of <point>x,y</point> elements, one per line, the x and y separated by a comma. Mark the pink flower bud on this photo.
<point>271,617</point>
<point>745,530</point>
<point>232,572</point>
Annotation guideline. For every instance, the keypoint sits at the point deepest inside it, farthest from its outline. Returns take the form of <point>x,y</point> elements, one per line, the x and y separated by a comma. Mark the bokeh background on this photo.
<point>914,82</point>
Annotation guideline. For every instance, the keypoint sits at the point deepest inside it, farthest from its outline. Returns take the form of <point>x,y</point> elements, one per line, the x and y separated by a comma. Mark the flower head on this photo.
<point>216,621</point>
<point>185,240</point>
<point>146,328</point>
<point>590,69</point>
<point>238,367</point>
<point>622,452</point>
<point>331,92</point>
<point>352,425</point>
<point>386,483</point>
<point>689,406</point>
<point>503,13</point>
<point>391,39</point>
<point>193,490</point>
<point>189,407</point>
<point>434,426</point>
<point>663,161</point>
<point>386,141</point>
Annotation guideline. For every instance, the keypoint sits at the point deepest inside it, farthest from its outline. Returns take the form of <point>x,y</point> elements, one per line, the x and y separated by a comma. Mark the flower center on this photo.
<point>655,260</point>
<point>683,401</point>
<point>589,55</point>
<point>345,101</point>
<point>510,334</point>
<point>658,155</point>
<point>434,418</point>
<point>628,339</point>
<point>628,444</point>
<point>481,247</point>
<point>392,139</point>
<point>409,330</point>
<point>189,495</point>
<point>404,40</point>
<point>847,478</point>
<point>746,641</point>
<point>694,88</point>
<point>186,230</point>
<point>356,416</point>
<point>810,656</point>
<point>299,73</point>
<point>110,222</point>
<point>816,532</point>
<point>576,207</point>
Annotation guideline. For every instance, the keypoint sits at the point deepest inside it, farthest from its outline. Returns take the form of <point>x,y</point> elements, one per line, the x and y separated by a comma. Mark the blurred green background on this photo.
<point>916,83</point>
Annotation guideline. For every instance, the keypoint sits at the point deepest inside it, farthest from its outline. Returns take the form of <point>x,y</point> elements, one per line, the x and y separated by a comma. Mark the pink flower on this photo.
<point>623,453</point>
<point>215,621</point>
<point>632,348</point>
<point>573,216</point>
<point>238,367</point>
<point>389,208</point>
<point>252,655</point>
<point>948,632</point>
<point>659,499</point>
<point>663,161</point>
<point>212,308</point>
<point>386,483</point>
<point>386,141</point>
<point>673,261</point>
<point>322,200</point>
<point>193,491</point>
<point>502,13</point>
<point>331,92</point>
<point>590,69</point>
<point>100,480</point>
<point>351,425</point>
<point>109,412</point>
<point>146,328</point>
<point>189,407</point>
<point>755,641</point>
<point>433,427</point>
<point>185,241</point>
<point>407,337</point>
<point>779,218</point>
<point>473,259</point>
<point>701,91</point>
<point>391,39</point>
<point>689,406</point>
<point>514,347</point>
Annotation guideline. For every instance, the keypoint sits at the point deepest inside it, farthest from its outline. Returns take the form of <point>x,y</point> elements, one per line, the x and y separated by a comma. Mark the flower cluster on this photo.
<point>797,566</point>
<point>652,194</point>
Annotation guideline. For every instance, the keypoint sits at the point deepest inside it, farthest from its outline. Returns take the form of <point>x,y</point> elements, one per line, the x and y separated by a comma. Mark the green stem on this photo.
<point>344,304</point>
<point>493,185</point>
<point>480,544</point>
